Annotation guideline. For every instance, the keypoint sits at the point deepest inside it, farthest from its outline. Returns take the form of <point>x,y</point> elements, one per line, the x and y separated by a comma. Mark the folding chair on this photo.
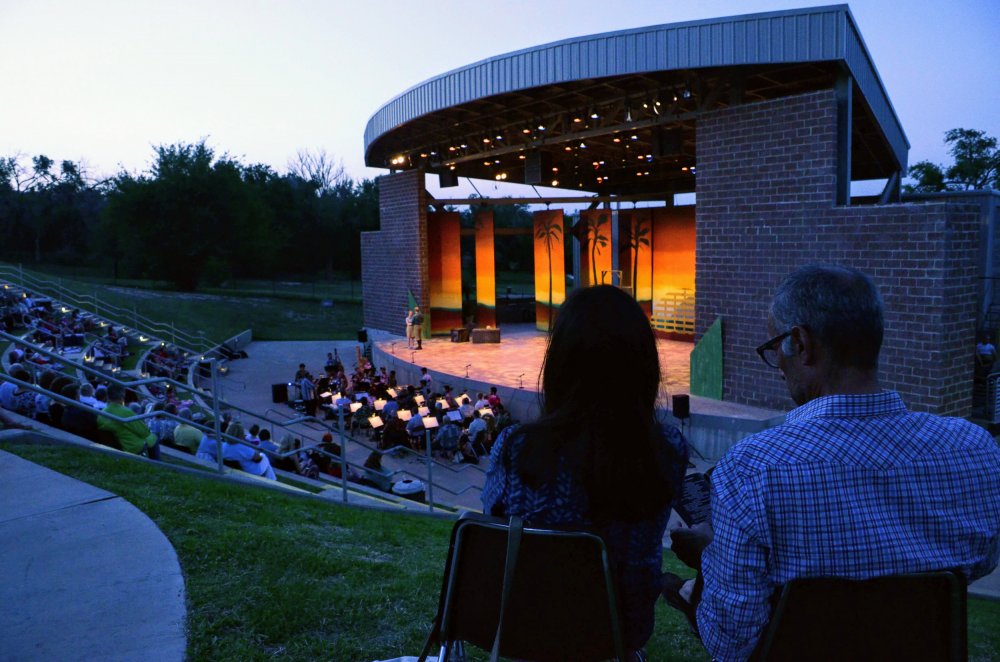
<point>919,616</point>
<point>526,593</point>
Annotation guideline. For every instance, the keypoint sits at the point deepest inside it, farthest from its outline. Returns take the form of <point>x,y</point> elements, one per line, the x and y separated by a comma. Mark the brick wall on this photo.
<point>766,178</point>
<point>394,258</point>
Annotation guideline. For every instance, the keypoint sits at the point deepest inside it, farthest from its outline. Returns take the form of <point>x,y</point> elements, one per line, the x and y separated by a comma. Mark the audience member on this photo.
<point>186,436</point>
<point>577,465</point>
<point>78,420</point>
<point>250,460</point>
<point>133,436</point>
<point>852,485</point>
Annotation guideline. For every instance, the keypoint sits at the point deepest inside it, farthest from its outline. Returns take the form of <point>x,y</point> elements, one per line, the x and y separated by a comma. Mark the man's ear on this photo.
<point>804,345</point>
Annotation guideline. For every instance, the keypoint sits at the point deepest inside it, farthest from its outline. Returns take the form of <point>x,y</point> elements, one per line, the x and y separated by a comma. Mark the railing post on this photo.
<point>173,334</point>
<point>430,473</point>
<point>343,452</point>
<point>218,420</point>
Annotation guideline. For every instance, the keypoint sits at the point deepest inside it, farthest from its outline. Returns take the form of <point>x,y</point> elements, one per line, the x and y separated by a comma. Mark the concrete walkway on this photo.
<point>87,575</point>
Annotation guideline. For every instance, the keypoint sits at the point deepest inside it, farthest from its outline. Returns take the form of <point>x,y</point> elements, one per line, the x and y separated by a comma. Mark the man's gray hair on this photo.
<point>840,305</point>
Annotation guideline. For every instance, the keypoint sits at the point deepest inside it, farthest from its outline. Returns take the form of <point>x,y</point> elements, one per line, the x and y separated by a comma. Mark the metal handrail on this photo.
<point>178,337</point>
<point>217,413</point>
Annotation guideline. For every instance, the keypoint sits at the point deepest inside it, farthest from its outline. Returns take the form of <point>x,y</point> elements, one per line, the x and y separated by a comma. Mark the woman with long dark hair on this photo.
<point>597,455</point>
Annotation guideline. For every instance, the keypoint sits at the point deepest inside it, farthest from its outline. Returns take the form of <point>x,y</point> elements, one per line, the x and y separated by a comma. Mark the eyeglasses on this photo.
<point>768,352</point>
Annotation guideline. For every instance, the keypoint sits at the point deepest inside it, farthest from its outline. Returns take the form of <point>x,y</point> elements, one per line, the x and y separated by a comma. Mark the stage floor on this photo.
<point>519,357</point>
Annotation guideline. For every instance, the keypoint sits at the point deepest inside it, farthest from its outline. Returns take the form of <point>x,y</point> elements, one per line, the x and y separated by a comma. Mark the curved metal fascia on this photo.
<point>793,36</point>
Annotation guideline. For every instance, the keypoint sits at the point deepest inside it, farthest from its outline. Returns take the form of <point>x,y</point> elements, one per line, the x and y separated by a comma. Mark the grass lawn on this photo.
<point>219,315</point>
<point>270,575</point>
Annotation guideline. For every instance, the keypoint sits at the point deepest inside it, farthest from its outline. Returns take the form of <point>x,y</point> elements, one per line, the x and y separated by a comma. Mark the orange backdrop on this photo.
<point>549,260</point>
<point>635,257</point>
<point>444,270</point>
<point>486,284</point>
<point>673,250</point>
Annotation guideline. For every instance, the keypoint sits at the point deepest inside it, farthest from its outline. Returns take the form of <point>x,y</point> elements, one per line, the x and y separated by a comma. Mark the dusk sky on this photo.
<point>105,81</point>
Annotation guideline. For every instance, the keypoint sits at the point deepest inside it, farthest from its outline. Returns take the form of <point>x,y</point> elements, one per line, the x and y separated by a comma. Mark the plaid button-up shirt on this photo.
<point>849,486</point>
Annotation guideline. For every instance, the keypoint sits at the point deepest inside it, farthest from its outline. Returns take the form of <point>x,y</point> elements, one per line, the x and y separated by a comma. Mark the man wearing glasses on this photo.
<point>851,485</point>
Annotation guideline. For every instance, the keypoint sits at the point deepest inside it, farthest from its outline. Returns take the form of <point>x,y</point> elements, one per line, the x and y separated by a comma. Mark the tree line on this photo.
<point>195,218</point>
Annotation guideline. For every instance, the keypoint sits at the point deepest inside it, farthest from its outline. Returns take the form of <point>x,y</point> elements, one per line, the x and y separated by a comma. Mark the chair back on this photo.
<point>917,616</point>
<point>561,605</point>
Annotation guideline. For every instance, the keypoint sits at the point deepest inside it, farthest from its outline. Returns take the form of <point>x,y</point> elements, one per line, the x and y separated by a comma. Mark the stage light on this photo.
<point>499,137</point>
<point>583,145</point>
<point>568,148</point>
<point>541,127</point>
<point>686,93</point>
<point>577,120</point>
<point>525,131</point>
<point>616,139</point>
<point>628,111</point>
<point>464,146</point>
<point>594,114</point>
<point>521,156</point>
<point>634,137</point>
<point>487,140</point>
<point>487,163</point>
<point>555,169</point>
<point>555,182</point>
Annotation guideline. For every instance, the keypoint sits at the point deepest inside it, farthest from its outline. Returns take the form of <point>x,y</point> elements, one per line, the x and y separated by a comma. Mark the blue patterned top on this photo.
<point>636,548</point>
<point>852,486</point>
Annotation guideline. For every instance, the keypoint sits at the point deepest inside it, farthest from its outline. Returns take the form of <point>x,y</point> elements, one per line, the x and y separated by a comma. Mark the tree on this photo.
<point>596,240</point>
<point>976,165</point>
<point>637,238</point>
<point>193,216</point>
<point>45,211</point>
<point>319,168</point>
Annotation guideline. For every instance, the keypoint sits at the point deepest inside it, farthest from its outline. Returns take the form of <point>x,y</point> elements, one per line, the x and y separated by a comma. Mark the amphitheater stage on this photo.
<point>514,364</point>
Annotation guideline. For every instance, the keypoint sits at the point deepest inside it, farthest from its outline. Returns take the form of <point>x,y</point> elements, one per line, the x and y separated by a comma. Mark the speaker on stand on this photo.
<point>681,409</point>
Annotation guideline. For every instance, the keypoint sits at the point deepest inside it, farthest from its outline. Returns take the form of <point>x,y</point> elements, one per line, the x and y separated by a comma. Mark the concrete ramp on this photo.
<point>86,575</point>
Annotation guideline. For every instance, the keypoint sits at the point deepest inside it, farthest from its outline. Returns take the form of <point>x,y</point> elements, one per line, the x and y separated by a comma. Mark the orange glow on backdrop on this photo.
<point>550,260</point>
<point>674,272</point>
<point>444,270</point>
<point>486,284</point>
<point>673,251</point>
<point>595,246</point>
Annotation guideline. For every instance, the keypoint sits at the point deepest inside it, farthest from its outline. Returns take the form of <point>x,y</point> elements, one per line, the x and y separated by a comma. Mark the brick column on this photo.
<point>394,258</point>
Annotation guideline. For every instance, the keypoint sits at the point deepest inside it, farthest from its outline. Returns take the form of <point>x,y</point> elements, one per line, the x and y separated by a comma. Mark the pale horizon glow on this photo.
<point>103,83</point>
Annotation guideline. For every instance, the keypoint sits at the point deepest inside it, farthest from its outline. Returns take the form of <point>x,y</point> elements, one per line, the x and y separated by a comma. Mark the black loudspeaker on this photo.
<point>362,336</point>
<point>279,393</point>
<point>447,179</point>
<point>682,407</point>
<point>533,166</point>
<point>667,143</point>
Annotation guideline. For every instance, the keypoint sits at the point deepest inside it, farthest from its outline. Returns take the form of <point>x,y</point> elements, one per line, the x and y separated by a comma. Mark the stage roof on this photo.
<point>615,113</point>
